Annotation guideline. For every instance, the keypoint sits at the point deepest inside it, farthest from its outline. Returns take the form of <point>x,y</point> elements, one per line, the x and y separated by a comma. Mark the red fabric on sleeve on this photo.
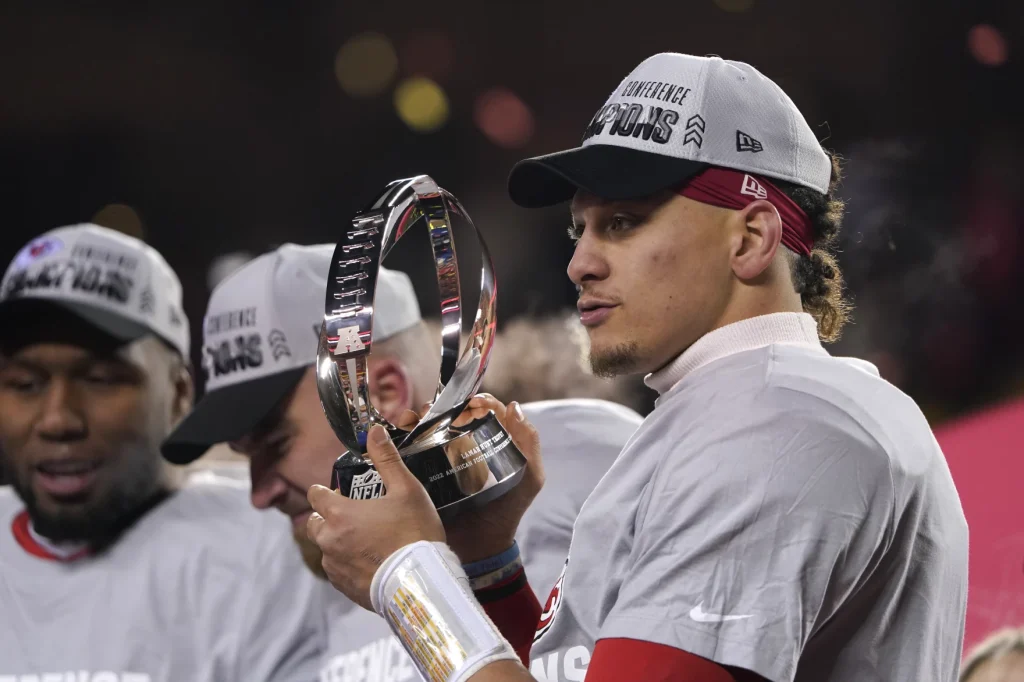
<point>514,608</point>
<point>618,660</point>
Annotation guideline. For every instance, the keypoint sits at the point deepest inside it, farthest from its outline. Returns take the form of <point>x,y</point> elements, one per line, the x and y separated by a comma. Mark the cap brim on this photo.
<point>227,414</point>
<point>607,171</point>
<point>106,321</point>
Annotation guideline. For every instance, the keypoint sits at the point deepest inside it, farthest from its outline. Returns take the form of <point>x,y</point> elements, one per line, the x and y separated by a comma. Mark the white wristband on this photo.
<point>424,595</point>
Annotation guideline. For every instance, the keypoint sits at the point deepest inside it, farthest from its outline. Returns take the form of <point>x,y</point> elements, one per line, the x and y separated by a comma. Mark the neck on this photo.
<point>747,334</point>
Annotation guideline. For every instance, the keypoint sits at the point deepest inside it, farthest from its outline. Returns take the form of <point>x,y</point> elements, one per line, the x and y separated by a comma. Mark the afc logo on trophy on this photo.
<point>368,486</point>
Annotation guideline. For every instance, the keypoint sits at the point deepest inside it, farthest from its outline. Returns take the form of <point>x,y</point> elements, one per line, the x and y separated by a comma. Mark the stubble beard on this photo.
<point>616,361</point>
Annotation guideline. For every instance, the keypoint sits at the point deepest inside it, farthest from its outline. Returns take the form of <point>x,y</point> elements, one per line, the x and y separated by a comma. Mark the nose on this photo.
<point>588,262</point>
<point>267,487</point>
<point>61,419</point>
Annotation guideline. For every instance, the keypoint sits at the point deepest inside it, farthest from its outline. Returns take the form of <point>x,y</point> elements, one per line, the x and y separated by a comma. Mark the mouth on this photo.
<point>67,478</point>
<point>594,311</point>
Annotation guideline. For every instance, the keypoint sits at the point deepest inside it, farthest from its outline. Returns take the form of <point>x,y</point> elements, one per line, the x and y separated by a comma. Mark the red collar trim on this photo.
<point>19,527</point>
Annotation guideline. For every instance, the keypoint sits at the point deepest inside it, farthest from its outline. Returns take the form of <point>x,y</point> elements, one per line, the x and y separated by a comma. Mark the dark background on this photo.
<point>223,128</point>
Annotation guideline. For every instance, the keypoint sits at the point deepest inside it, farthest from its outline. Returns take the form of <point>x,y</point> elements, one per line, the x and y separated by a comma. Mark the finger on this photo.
<point>479,407</point>
<point>486,401</point>
<point>314,524</point>
<point>384,455</point>
<point>321,498</point>
<point>407,420</point>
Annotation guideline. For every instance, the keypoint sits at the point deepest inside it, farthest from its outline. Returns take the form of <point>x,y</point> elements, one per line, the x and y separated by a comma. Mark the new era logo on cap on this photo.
<point>669,119</point>
<point>115,281</point>
<point>752,187</point>
<point>745,143</point>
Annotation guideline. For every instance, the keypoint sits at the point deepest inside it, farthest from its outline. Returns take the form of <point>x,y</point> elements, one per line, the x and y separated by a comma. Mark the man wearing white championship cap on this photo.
<point>270,410</point>
<point>782,514</point>
<point>109,571</point>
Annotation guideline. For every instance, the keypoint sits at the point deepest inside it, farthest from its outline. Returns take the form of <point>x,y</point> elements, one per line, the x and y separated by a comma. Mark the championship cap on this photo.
<point>672,117</point>
<point>109,279</point>
<point>261,333</point>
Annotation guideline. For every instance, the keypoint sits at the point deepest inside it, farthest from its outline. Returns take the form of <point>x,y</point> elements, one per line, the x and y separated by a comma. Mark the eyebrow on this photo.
<point>74,365</point>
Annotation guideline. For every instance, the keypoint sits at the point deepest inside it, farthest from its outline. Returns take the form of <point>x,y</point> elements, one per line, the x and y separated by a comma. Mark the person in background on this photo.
<point>545,357</point>
<point>108,566</point>
<point>998,658</point>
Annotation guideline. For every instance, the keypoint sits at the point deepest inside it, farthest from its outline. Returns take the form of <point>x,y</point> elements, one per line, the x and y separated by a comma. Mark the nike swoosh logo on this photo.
<point>698,614</point>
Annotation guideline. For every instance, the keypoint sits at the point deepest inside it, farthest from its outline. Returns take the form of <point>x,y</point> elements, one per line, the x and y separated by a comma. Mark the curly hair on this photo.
<point>817,277</point>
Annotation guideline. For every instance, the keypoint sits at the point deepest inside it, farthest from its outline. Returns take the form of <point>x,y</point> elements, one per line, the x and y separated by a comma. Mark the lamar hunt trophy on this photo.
<point>460,467</point>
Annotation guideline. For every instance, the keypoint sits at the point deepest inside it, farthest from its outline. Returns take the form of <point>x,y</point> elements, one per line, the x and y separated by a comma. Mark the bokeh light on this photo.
<point>122,218</point>
<point>987,45</point>
<point>735,5</point>
<point>421,104</point>
<point>366,65</point>
<point>429,54</point>
<point>504,118</point>
<point>224,266</point>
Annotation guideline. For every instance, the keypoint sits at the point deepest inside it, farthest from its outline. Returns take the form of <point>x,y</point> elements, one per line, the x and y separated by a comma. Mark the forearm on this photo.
<point>507,599</point>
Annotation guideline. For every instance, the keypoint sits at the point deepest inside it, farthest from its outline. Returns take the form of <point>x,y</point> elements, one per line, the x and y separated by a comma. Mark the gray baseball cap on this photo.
<point>260,334</point>
<point>110,280</point>
<point>670,118</point>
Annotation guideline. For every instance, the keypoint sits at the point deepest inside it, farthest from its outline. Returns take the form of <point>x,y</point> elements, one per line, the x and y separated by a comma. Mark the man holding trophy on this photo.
<point>781,515</point>
<point>266,404</point>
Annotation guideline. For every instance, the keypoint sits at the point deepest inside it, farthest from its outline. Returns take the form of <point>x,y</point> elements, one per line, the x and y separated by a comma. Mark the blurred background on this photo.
<point>216,131</point>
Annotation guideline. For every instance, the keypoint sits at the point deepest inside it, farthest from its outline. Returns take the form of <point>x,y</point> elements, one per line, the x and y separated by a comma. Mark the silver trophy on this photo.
<point>460,467</point>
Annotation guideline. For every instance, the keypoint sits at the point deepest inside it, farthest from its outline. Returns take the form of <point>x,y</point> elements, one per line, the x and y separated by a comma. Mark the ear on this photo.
<point>759,237</point>
<point>390,387</point>
<point>184,391</point>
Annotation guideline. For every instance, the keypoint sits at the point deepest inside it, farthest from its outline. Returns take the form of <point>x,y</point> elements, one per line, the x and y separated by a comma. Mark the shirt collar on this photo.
<point>756,332</point>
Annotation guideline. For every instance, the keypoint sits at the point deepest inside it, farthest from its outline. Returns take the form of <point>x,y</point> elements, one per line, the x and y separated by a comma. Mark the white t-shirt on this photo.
<point>781,511</point>
<point>203,588</point>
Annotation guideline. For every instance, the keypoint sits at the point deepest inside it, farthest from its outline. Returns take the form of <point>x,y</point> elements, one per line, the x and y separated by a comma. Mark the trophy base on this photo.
<point>478,465</point>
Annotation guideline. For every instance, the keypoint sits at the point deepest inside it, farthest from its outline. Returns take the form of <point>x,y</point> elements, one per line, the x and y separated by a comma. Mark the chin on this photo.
<point>615,360</point>
<point>311,554</point>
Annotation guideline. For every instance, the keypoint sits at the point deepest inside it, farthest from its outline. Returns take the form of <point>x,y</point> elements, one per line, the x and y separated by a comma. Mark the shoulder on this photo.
<point>214,516</point>
<point>782,425</point>
<point>9,500</point>
<point>581,415</point>
<point>585,426</point>
<point>10,506</point>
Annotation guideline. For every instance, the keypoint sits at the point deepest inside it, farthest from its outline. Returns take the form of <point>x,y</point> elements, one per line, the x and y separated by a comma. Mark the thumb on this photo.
<point>384,455</point>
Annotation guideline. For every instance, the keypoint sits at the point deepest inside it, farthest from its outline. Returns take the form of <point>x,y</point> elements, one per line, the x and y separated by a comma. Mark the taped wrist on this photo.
<point>424,595</point>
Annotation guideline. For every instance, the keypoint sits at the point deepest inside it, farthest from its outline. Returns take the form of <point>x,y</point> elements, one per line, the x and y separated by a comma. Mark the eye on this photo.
<point>622,223</point>
<point>21,384</point>
<point>575,232</point>
<point>277,446</point>
<point>104,376</point>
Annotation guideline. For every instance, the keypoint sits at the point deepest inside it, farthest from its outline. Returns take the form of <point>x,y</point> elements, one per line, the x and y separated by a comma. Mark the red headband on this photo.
<point>727,188</point>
